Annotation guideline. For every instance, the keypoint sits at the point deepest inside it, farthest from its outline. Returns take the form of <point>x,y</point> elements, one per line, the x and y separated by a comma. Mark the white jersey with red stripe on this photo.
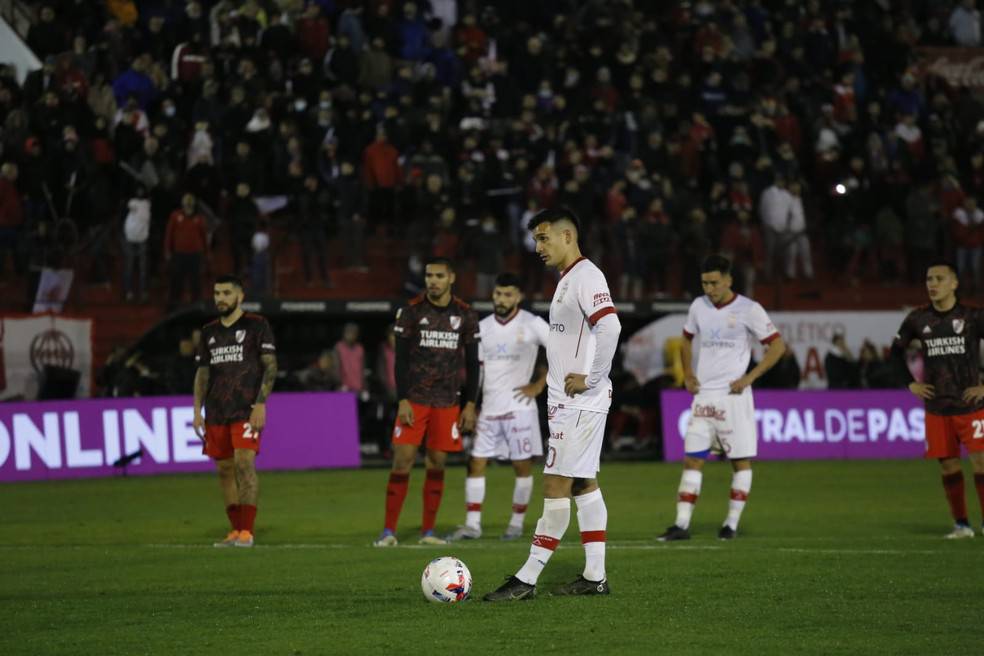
<point>722,333</point>
<point>508,355</point>
<point>579,302</point>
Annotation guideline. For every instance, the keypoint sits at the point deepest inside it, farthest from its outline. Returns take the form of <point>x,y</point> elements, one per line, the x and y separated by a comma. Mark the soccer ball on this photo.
<point>446,580</point>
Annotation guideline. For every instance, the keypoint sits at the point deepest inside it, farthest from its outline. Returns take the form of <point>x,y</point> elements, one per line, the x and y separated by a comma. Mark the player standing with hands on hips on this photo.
<point>950,334</point>
<point>237,366</point>
<point>722,416</point>
<point>584,330</point>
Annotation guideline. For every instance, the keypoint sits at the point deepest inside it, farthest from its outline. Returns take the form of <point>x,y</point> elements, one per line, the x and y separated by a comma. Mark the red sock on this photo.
<point>979,482</point>
<point>396,492</point>
<point>247,515</point>
<point>232,512</point>
<point>953,485</point>
<point>433,491</point>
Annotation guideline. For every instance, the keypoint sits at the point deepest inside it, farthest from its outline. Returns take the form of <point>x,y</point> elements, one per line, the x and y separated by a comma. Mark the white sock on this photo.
<point>687,495</point>
<point>741,485</point>
<point>549,530</point>
<point>474,496</point>
<point>592,519</point>
<point>521,500</point>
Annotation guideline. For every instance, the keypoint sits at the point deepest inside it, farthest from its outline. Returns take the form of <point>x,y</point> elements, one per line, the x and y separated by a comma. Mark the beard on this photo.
<point>503,311</point>
<point>229,309</point>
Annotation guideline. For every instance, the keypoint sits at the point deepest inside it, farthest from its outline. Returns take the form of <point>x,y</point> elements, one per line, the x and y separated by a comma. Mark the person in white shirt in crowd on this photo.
<point>508,423</point>
<point>774,207</point>
<point>722,417</point>
<point>136,231</point>
<point>797,242</point>
<point>965,24</point>
<point>583,339</point>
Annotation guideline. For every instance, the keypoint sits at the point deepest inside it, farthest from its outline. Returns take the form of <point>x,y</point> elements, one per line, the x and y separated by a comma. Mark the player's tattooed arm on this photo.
<point>269,363</point>
<point>201,387</point>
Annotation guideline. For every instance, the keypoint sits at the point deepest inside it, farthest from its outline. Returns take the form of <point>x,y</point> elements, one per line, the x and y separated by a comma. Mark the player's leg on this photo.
<point>218,446</point>
<point>522,491</point>
<point>943,444</point>
<point>442,438</point>
<point>970,430</point>
<point>249,488</point>
<point>524,443</point>
<point>696,446</point>
<point>487,442</point>
<point>741,485</point>
<point>406,443</point>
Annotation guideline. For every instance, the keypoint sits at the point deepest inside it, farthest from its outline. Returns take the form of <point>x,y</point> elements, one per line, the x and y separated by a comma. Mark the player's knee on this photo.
<point>476,466</point>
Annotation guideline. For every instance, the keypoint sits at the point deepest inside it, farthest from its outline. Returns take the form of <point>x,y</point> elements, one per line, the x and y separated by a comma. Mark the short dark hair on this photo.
<point>943,262</point>
<point>560,213</point>
<point>438,259</point>
<point>508,279</point>
<point>229,279</point>
<point>718,263</point>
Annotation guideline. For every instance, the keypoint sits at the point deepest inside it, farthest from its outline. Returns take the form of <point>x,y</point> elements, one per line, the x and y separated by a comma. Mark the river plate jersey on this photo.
<point>232,355</point>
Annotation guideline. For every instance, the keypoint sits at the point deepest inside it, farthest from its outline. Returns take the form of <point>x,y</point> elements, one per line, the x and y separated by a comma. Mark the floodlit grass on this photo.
<point>833,557</point>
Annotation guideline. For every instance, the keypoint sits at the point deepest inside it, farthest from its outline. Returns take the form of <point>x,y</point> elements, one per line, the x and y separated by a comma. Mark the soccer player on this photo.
<point>950,334</point>
<point>722,416</point>
<point>584,330</point>
<point>508,423</point>
<point>436,336</point>
<point>237,366</point>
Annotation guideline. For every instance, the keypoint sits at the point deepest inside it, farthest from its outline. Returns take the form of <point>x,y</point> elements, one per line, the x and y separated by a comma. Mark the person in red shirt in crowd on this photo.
<point>11,216</point>
<point>313,33</point>
<point>468,36</point>
<point>185,249</point>
<point>382,176</point>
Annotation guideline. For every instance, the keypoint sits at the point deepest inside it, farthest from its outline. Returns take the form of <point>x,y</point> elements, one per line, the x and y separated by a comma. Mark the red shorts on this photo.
<point>221,440</point>
<point>945,434</point>
<point>439,425</point>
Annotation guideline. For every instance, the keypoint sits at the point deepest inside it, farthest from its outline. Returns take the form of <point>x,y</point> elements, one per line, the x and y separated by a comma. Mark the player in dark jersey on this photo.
<point>436,336</point>
<point>237,365</point>
<point>950,334</point>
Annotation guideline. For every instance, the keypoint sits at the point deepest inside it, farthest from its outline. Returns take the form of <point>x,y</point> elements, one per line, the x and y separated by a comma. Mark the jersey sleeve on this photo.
<point>541,331</point>
<point>265,338</point>
<point>760,325</point>
<point>404,322</point>
<point>471,332</point>
<point>201,354</point>
<point>690,325</point>
<point>907,331</point>
<point>594,298</point>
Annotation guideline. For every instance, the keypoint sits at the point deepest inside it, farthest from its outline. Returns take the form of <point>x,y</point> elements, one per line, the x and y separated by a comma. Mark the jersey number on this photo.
<point>248,432</point>
<point>978,425</point>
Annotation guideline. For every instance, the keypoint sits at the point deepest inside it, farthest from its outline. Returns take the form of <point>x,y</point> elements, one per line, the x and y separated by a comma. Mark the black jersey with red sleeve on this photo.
<point>232,355</point>
<point>951,353</point>
<point>435,340</point>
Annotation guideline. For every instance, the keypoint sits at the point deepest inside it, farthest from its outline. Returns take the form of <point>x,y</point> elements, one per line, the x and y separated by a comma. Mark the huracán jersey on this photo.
<point>508,354</point>
<point>232,355</point>
<point>579,302</point>
<point>951,353</point>
<point>436,339</point>
<point>723,333</point>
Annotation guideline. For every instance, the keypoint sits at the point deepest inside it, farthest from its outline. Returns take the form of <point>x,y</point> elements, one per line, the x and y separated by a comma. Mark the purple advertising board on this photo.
<point>81,439</point>
<point>815,425</point>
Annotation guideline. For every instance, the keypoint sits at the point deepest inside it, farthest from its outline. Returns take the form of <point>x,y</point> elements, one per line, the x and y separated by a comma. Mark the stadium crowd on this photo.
<point>798,137</point>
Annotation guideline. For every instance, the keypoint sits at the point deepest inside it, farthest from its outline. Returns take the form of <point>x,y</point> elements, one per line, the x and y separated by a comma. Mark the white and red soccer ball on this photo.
<point>446,580</point>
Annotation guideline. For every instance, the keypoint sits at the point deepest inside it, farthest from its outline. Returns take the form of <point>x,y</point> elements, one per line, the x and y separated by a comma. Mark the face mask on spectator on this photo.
<point>169,110</point>
<point>300,105</point>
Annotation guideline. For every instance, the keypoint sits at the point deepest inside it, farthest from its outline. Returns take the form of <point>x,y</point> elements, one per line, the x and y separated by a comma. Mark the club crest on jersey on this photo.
<point>455,323</point>
<point>732,321</point>
<point>958,326</point>
<point>240,336</point>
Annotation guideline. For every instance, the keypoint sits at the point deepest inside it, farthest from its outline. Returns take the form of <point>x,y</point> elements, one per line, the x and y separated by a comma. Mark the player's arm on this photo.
<point>607,328</point>
<point>402,374</point>
<point>472,374</point>
<point>897,356</point>
<point>975,393</point>
<point>201,387</point>
<point>535,387</point>
<point>257,418</point>
<point>687,355</point>
<point>773,353</point>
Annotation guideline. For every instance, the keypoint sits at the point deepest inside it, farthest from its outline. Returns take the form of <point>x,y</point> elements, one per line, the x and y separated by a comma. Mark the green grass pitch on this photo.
<point>833,557</point>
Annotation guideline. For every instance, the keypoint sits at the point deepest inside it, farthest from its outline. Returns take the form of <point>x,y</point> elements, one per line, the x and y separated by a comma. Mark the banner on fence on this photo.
<point>29,343</point>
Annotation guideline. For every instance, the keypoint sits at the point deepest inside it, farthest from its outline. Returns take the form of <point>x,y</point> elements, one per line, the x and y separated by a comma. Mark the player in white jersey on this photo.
<point>508,424</point>
<point>584,330</point>
<point>722,417</point>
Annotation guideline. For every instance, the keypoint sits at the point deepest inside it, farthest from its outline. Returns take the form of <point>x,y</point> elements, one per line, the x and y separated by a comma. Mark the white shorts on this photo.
<point>515,436</point>
<point>722,422</point>
<point>576,438</point>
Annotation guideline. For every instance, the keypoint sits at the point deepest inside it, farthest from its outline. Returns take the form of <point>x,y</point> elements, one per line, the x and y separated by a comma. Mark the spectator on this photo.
<point>46,37</point>
<point>185,250</point>
<point>351,356</point>
<point>136,232</point>
<point>179,371</point>
<point>797,249</point>
<point>488,249</point>
<point>311,215</point>
<point>968,236</point>
<point>382,176</point>
<point>657,240</point>
<point>784,375</point>
<point>775,209</point>
<point>243,217</point>
<point>965,24</point>
<point>322,375</point>
<point>841,367</point>
<point>628,242</point>
<point>742,244</point>
<point>313,33</point>
<point>11,218</point>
